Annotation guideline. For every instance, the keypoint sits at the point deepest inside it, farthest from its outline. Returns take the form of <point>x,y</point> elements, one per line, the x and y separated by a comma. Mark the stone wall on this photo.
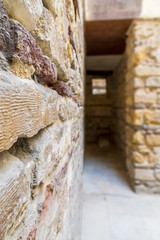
<point>97,114</point>
<point>137,121</point>
<point>117,95</point>
<point>143,77</point>
<point>41,119</point>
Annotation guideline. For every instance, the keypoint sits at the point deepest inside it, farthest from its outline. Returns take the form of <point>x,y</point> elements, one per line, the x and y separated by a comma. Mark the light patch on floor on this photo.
<point>111,210</point>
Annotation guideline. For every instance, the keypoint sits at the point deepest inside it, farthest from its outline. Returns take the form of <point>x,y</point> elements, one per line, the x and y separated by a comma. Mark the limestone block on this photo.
<point>18,44</point>
<point>138,82</point>
<point>25,106</point>
<point>52,44</point>
<point>144,174</point>
<point>152,117</point>
<point>48,148</point>
<point>154,158</point>
<point>157,174</point>
<point>137,117</point>
<point>138,137</point>
<point>14,192</point>
<point>158,98</point>
<point>153,140</point>
<point>146,71</point>
<point>58,9</point>
<point>156,150</point>
<point>153,82</point>
<point>138,158</point>
<point>144,97</point>
<point>54,205</point>
<point>71,10</point>
<point>27,12</point>
<point>143,149</point>
<point>21,69</point>
<point>44,151</point>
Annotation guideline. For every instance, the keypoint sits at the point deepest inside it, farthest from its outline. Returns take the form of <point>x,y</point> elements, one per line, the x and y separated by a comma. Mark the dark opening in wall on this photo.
<point>99,86</point>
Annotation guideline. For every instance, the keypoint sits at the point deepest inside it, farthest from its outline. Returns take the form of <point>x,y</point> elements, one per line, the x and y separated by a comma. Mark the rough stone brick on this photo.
<point>138,158</point>
<point>44,32</point>
<point>144,97</point>
<point>54,204</point>
<point>144,174</point>
<point>157,174</point>
<point>154,158</point>
<point>27,12</point>
<point>15,41</point>
<point>58,9</point>
<point>42,117</point>
<point>152,117</point>
<point>138,137</point>
<point>25,106</point>
<point>153,140</point>
<point>138,82</point>
<point>46,150</point>
<point>14,192</point>
<point>137,117</point>
<point>153,82</point>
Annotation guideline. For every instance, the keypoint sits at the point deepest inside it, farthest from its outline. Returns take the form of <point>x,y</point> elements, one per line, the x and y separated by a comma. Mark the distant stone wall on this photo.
<point>41,119</point>
<point>137,120</point>
<point>117,95</point>
<point>143,109</point>
<point>97,114</point>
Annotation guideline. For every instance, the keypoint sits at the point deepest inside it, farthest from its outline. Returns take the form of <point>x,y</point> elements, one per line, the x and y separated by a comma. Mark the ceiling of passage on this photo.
<point>106,24</point>
<point>112,9</point>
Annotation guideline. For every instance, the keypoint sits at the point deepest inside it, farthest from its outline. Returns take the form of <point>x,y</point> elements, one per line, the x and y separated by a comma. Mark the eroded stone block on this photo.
<point>14,192</point>
<point>52,44</point>
<point>144,174</point>
<point>27,12</point>
<point>17,42</point>
<point>25,106</point>
<point>153,140</point>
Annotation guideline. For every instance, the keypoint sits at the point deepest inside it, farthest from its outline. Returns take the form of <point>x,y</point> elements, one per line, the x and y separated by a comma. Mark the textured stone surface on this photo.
<point>14,192</point>
<point>55,180</point>
<point>27,12</point>
<point>135,104</point>
<point>143,64</point>
<point>41,119</point>
<point>17,41</point>
<point>26,107</point>
<point>144,174</point>
<point>44,32</point>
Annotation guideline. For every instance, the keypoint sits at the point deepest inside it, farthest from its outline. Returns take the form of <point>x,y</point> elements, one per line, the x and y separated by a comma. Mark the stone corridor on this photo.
<point>111,210</point>
<point>72,70</point>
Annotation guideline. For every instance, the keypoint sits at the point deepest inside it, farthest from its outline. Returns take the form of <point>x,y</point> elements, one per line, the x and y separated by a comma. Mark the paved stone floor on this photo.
<point>111,210</point>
